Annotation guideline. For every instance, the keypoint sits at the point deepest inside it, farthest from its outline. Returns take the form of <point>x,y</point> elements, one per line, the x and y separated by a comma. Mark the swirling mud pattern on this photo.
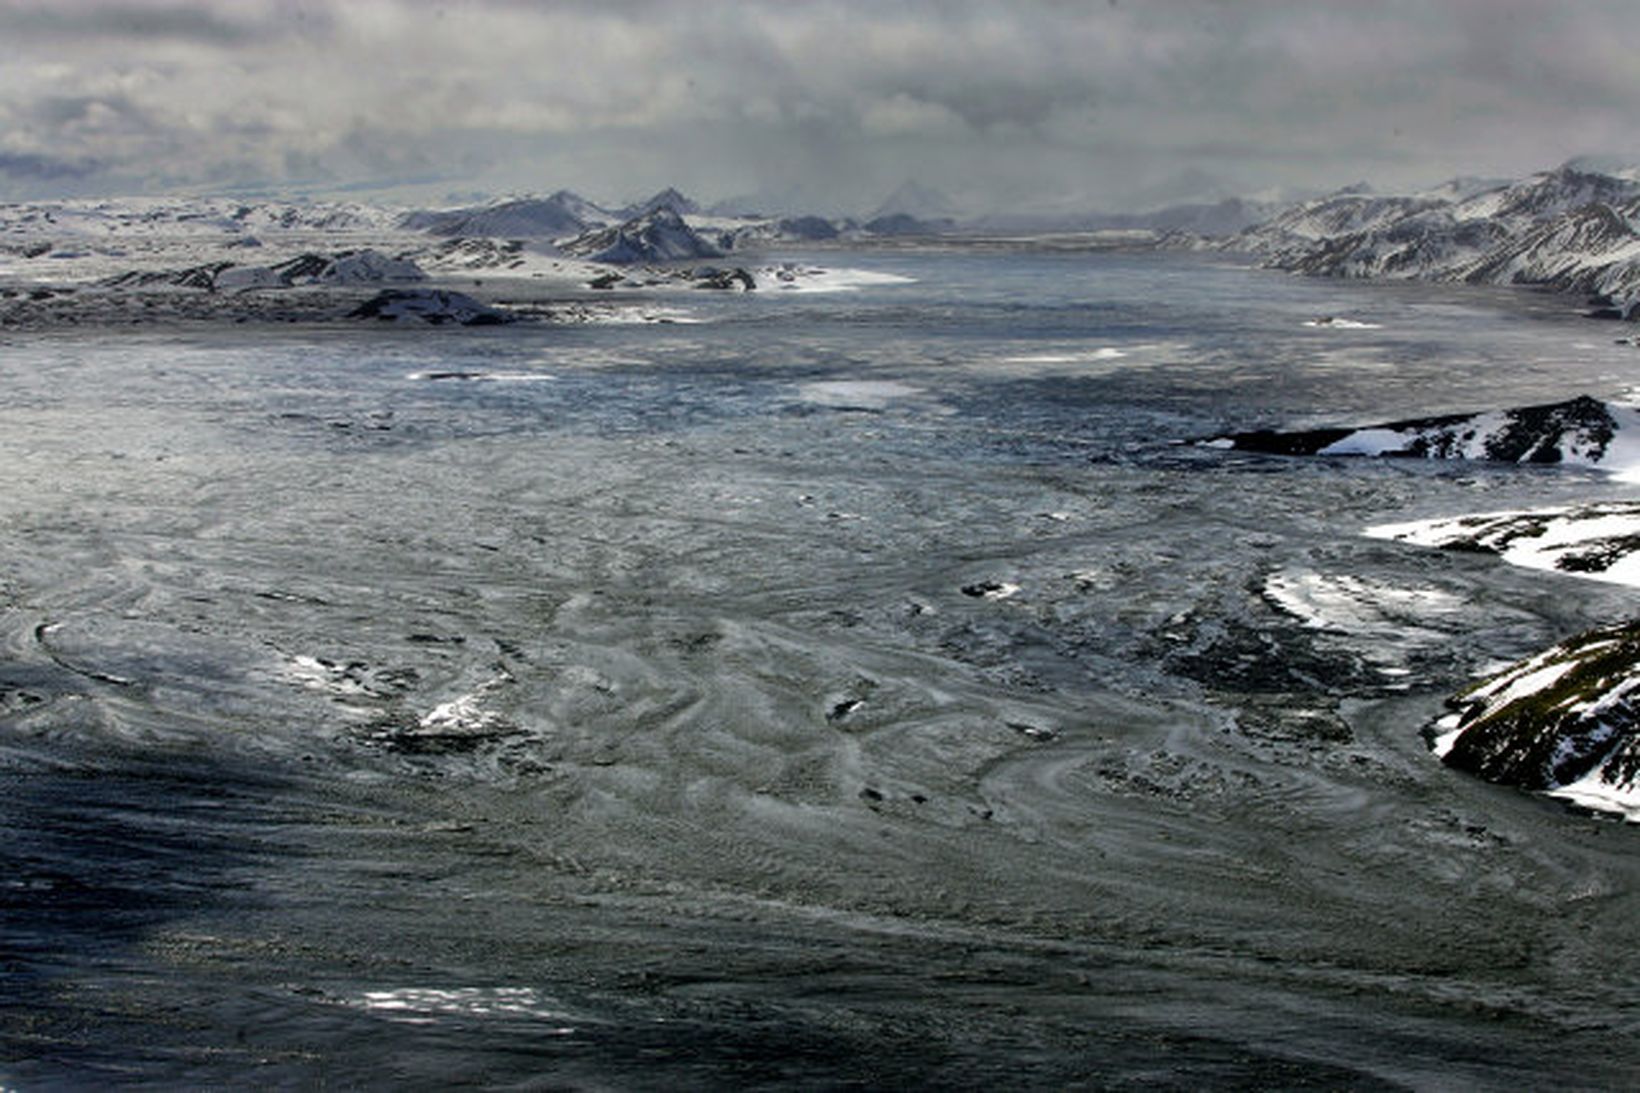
<point>857,690</point>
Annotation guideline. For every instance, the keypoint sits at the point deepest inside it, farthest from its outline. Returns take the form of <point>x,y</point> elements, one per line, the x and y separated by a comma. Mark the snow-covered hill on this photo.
<point>564,214</point>
<point>1563,722</point>
<point>587,212</point>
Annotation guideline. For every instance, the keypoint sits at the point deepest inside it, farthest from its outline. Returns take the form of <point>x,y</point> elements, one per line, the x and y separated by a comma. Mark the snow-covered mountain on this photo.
<point>587,212</point>
<point>562,214</point>
<point>1592,248</point>
<point>668,198</point>
<point>1569,229</point>
<point>1582,431</point>
<point>1565,722</point>
<point>660,235</point>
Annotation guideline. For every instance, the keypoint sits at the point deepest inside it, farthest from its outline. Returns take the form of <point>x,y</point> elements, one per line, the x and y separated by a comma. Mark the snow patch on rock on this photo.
<point>1581,432</point>
<point>1563,722</point>
<point>1600,541</point>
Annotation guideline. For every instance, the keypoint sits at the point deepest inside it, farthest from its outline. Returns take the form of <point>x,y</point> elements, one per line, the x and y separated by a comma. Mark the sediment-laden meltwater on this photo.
<point>857,688</point>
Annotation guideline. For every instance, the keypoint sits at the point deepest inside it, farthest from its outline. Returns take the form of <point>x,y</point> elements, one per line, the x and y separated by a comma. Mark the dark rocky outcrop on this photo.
<point>736,279</point>
<point>1562,722</point>
<point>436,307</point>
<point>352,267</point>
<point>1578,430</point>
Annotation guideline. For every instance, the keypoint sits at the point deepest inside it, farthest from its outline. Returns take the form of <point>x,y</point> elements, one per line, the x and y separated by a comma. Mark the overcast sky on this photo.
<point>830,103</point>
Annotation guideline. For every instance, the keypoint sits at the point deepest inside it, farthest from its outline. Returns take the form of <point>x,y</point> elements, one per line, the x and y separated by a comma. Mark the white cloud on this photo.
<point>841,93</point>
<point>901,115</point>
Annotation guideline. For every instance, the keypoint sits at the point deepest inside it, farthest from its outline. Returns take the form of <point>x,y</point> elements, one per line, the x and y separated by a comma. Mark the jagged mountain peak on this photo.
<point>1549,193</point>
<point>669,198</point>
<point>659,235</point>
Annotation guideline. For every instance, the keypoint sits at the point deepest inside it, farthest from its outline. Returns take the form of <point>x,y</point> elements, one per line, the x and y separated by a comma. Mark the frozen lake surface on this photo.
<point>858,688</point>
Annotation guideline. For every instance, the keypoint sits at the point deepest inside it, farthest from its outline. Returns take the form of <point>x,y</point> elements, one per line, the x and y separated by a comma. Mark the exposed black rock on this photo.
<point>988,590</point>
<point>724,279</point>
<point>1271,442</point>
<point>201,277</point>
<point>435,307</point>
<point>1580,428</point>
<point>1564,717</point>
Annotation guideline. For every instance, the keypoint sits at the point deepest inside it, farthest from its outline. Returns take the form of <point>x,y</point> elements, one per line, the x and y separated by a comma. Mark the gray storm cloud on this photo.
<point>836,100</point>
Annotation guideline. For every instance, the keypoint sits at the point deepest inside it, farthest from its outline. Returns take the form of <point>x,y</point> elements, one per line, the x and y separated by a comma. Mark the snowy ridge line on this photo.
<point>1570,230</point>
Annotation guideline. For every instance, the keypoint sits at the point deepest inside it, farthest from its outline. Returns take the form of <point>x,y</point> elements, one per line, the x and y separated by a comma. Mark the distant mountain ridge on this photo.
<point>1569,230</point>
<point>1572,229</point>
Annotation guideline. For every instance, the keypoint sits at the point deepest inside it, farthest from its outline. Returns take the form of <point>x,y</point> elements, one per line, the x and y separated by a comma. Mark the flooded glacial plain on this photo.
<point>863,688</point>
